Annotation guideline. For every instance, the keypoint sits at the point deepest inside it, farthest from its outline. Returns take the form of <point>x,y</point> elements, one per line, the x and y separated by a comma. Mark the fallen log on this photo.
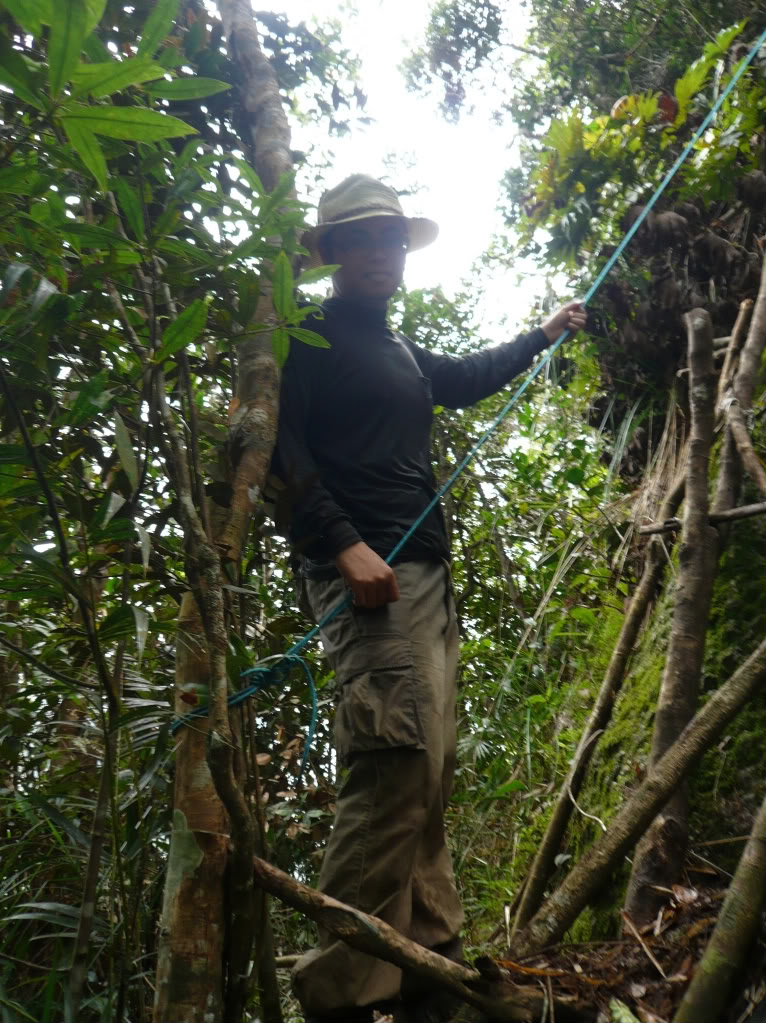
<point>587,877</point>
<point>487,988</point>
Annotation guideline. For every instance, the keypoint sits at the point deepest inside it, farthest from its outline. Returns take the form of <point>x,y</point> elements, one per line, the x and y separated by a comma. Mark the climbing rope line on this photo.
<point>264,675</point>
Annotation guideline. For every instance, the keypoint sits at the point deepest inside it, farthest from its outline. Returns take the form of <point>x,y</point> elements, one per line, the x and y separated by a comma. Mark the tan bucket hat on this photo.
<point>361,197</point>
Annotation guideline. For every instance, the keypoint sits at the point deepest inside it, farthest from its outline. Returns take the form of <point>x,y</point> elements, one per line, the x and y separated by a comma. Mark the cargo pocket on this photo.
<point>377,698</point>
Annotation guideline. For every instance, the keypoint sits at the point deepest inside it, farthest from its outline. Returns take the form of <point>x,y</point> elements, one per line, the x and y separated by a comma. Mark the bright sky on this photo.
<point>457,166</point>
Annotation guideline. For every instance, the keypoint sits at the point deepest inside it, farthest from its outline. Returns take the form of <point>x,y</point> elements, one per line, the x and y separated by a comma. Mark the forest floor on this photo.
<point>646,971</point>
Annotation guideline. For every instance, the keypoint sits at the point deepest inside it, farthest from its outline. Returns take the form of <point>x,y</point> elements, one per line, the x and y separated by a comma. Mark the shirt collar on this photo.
<point>358,312</point>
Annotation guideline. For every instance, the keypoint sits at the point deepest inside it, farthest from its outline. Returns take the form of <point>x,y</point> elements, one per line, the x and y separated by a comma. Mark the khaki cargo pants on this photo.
<point>395,731</point>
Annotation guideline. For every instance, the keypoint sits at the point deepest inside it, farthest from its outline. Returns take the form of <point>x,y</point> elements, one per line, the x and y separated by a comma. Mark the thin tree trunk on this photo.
<point>544,861</point>
<point>708,993</point>
<point>660,853</point>
<point>592,872</point>
<point>213,831</point>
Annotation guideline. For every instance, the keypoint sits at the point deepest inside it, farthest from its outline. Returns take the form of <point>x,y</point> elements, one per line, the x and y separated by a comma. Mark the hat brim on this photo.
<point>420,231</point>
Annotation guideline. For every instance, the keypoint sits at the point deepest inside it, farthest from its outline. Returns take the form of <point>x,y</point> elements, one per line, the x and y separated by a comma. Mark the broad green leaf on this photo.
<point>247,295</point>
<point>621,1013</point>
<point>87,147</point>
<point>116,501</point>
<point>22,181</point>
<point>30,14</point>
<point>145,539</point>
<point>157,26</point>
<point>282,284</point>
<point>309,337</point>
<point>183,330</point>
<point>186,88</point>
<point>125,451</point>
<point>94,12</point>
<point>249,175</point>
<point>93,236</point>
<point>95,50</point>
<point>317,273</point>
<point>137,124</point>
<point>105,78</point>
<point>280,345</point>
<point>68,31</point>
<point>509,787</point>
<point>142,629</point>
<point>16,75</point>
<point>131,206</point>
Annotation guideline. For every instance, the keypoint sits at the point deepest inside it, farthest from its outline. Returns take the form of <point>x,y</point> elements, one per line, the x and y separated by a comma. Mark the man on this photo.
<point>353,449</point>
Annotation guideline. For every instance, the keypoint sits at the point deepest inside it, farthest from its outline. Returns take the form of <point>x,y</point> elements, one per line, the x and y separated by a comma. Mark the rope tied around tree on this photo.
<point>266,674</point>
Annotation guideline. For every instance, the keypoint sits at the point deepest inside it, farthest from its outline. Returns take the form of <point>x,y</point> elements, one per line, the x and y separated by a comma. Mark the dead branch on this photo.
<point>745,511</point>
<point>660,853</point>
<point>734,346</point>
<point>544,861</point>
<point>708,993</point>
<point>487,988</point>
<point>589,875</point>
<point>739,431</point>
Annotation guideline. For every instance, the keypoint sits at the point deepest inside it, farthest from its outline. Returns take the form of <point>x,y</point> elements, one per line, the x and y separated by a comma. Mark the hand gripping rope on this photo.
<point>265,674</point>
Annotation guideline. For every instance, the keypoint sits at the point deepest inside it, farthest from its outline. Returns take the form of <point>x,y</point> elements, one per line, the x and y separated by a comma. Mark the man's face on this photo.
<point>371,253</point>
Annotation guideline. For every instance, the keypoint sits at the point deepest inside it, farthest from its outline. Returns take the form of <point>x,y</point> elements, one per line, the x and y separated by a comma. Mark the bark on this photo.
<point>192,981</point>
<point>487,987</point>
<point>544,861</point>
<point>744,511</point>
<point>660,853</point>
<point>708,994</point>
<point>744,445</point>
<point>738,335</point>
<point>592,872</point>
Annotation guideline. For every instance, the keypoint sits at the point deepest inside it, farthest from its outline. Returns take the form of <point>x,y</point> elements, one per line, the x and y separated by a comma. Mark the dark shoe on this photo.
<point>420,1002</point>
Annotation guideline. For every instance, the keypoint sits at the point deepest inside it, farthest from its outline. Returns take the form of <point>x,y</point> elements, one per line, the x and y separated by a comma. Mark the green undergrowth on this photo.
<point>728,782</point>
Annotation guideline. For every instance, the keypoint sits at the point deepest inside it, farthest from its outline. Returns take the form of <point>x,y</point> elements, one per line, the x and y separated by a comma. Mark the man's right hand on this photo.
<point>372,581</point>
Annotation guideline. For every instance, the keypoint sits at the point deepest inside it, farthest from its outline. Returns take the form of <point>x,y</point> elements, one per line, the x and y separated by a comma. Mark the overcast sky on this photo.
<point>457,166</point>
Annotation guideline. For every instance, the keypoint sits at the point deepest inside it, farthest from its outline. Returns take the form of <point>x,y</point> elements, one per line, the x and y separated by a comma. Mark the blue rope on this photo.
<point>267,676</point>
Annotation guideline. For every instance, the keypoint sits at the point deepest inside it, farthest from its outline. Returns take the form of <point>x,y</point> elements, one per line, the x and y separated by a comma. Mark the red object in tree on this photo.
<point>668,107</point>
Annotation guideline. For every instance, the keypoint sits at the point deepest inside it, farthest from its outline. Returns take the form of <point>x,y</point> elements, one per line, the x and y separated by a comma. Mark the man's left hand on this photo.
<point>570,317</point>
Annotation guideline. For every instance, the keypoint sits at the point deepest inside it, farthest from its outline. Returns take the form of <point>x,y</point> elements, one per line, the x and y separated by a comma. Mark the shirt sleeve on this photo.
<point>305,510</point>
<point>460,381</point>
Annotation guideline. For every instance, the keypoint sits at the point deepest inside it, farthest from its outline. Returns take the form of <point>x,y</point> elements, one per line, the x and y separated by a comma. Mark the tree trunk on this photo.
<point>591,873</point>
<point>708,993</point>
<point>660,853</point>
<point>193,980</point>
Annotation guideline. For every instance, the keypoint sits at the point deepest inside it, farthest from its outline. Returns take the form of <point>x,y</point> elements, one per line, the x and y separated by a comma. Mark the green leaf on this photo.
<point>87,147</point>
<point>142,629</point>
<point>509,787</point>
<point>282,284</point>
<point>137,124</point>
<point>309,337</point>
<point>574,475</point>
<point>157,26</point>
<point>583,614</point>
<point>317,273</point>
<point>125,451</point>
<point>68,31</point>
<point>30,14</point>
<point>131,206</point>
<point>183,330</point>
<point>145,539</point>
<point>17,76</point>
<point>621,1013</point>
<point>93,236</point>
<point>247,295</point>
<point>280,345</point>
<point>249,175</point>
<point>22,180</point>
<point>186,88</point>
<point>105,78</point>
<point>94,13</point>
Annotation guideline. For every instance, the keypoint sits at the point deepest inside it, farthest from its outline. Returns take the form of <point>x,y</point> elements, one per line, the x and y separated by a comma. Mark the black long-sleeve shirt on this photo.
<point>353,447</point>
